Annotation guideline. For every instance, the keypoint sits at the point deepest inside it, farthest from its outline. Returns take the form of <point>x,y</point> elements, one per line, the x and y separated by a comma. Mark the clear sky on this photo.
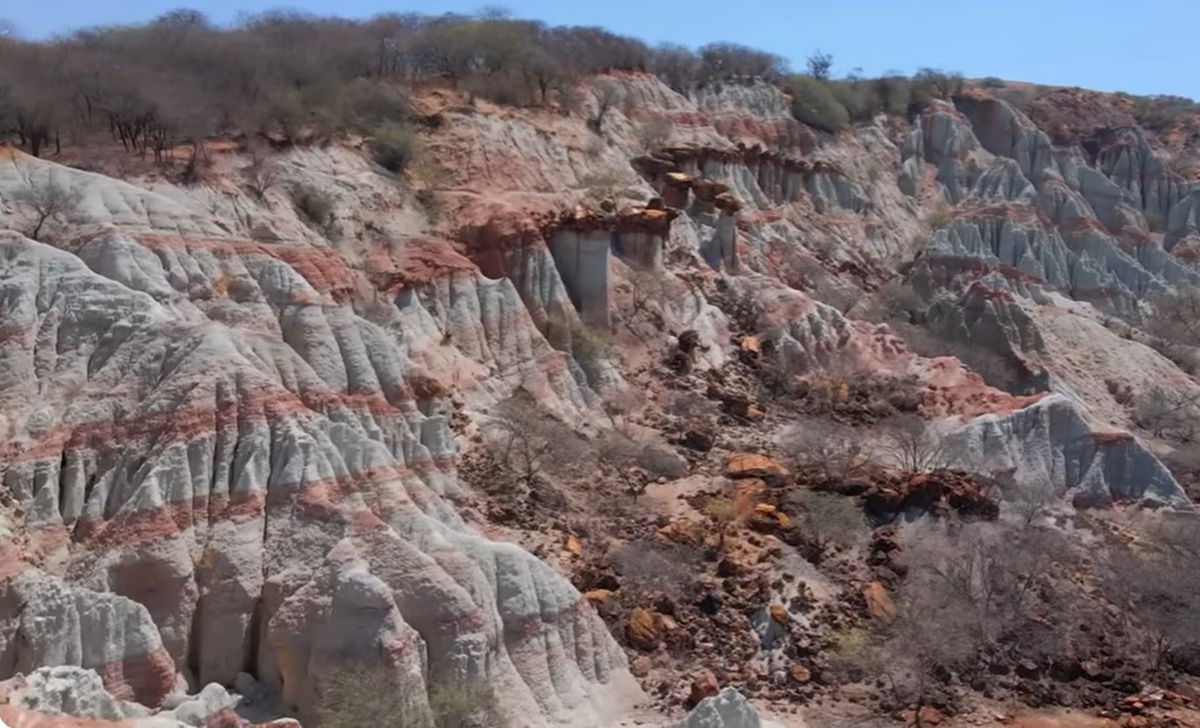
<point>1139,46</point>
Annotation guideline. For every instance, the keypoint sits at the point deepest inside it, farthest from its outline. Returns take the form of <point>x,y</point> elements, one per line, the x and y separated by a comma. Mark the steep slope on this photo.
<point>238,465</point>
<point>232,431</point>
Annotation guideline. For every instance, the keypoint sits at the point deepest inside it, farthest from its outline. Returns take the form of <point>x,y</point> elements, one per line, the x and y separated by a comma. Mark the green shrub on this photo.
<point>930,83</point>
<point>317,205</point>
<point>373,695</point>
<point>459,706</point>
<point>894,92</point>
<point>862,99</point>
<point>994,82</point>
<point>393,146</point>
<point>363,695</point>
<point>940,215</point>
<point>814,104</point>
<point>364,105</point>
<point>592,349</point>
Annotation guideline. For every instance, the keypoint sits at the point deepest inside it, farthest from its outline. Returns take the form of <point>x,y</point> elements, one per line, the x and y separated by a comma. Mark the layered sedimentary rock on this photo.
<point>227,430</point>
<point>1051,443</point>
<point>223,467</point>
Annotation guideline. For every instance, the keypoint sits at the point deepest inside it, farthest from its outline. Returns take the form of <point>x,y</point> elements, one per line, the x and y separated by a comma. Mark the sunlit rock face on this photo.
<point>222,466</point>
<point>228,438</point>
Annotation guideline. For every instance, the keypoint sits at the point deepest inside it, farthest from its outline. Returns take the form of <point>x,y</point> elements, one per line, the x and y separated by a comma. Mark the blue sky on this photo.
<point>1147,46</point>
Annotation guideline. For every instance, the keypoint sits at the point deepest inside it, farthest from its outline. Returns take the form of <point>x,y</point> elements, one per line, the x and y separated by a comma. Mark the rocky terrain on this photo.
<point>602,411</point>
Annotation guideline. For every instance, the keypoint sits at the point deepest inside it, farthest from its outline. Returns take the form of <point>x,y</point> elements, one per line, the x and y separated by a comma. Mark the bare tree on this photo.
<point>655,565</point>
<point>523,440</point>
<point>646,287</point>
<point>819,65</point>
<point>832,452</point>
<point>1029,500</point>
<point>675,64</point>
<point>1168,412</point>
<point>720,61</point>
<point>915,446</point>
<point>261,174</point>
<point>621,454</point>
<point>654,132</point>
<point>1173,323</point>
<point>1157,588</point>
<point>608,94</point>
<point>47,202</point>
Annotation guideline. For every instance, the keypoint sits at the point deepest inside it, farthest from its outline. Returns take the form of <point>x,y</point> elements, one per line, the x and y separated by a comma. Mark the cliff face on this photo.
<point>231,433</point>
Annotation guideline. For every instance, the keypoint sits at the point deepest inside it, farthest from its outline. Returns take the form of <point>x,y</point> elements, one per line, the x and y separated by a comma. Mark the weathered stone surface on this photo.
<point>879,603</point>
<point>754,465</point>
<point>642,629</point>
<point>207,433</point>
<point>728,709</point>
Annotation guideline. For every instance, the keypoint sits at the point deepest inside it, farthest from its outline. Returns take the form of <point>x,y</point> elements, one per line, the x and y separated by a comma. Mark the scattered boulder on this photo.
<point>879,602</point>
<point>698,437</point>
<point>642,629</point>
<point>704,685</point>
<point>941,491</point>
<point>640,666</point>
<point>753,465</point>
<point>598,596</point>
<point>727,709</point>
<point>574,547</point>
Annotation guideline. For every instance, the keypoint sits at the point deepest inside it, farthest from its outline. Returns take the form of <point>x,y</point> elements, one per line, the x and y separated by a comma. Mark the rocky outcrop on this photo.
<point>1051,443</point>
<point>727,709</point>
<point>1126,158</point>
<point>1006,132</point>
<point>72,696</point>
<point>219,493</point>
<point>942,137</point>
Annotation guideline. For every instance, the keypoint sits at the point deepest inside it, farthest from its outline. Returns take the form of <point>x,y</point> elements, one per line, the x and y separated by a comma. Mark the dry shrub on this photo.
<point>373,695</point>
<point>648,567</point>
<point>1168,412</point>
<point>915,447</point>
<point>654,132</point>
<point>825,520</point>
<point>831,452</point>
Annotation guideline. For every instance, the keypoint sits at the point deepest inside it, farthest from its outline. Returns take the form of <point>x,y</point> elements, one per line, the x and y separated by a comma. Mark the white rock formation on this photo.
<point>225,467</point>
<point>727,709</point>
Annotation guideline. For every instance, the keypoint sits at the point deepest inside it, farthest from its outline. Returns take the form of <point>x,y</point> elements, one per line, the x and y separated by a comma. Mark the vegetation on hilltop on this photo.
<point>289,76</point>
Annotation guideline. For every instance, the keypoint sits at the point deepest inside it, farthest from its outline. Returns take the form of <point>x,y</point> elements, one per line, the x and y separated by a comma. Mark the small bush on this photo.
<point>724,513</point>
<point>994,82</point>
<point>459,706</point>
<point>915,447</point>
<point>363,695</point>
<point>861,99</point>
<point>592,349</point>
<point>940,216</point>
<point>814,104</point>
<point>649,566</point>
<point>826,520</point>
<point>393,146</point>
<point>317,205</point>
<point>654,132</point>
